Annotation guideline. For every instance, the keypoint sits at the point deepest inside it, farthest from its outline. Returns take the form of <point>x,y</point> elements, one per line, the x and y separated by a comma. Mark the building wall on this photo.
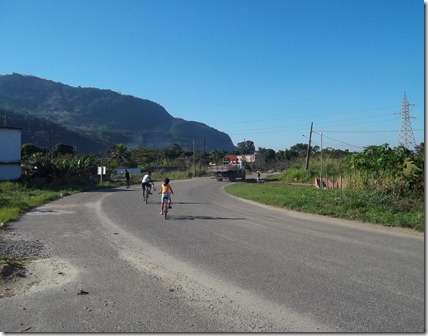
<point>10,153</point>
<point>121,171</point>
<point>10,172</point>
<point>256,157</point>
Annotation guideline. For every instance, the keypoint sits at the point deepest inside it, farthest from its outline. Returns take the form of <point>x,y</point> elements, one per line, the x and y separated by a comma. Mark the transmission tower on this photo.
<point>406,136</point>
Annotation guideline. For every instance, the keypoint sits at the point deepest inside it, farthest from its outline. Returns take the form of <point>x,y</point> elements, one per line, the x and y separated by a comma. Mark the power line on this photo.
<point>389,131</point>
<point>336,140</point>
<point>334,123</point>
<point>301,115</point>
<point>345,143</point>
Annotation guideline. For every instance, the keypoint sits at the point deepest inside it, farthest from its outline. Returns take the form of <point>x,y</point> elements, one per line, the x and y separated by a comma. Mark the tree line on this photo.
<point>119,156</point>
<point>402,168</point>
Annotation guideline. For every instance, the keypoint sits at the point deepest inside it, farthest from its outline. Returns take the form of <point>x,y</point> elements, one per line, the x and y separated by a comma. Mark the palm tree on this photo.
<point>119,155</point>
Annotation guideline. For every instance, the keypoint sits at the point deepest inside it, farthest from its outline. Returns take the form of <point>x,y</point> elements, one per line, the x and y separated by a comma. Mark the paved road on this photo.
<point>218,264</point>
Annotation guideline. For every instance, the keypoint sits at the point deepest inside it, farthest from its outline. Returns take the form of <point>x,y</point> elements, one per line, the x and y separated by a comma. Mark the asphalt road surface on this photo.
<point>218,264</point>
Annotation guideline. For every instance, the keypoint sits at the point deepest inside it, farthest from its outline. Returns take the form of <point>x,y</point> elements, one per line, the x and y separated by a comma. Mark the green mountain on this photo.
<point>93,117</point>
<point>46,134</point>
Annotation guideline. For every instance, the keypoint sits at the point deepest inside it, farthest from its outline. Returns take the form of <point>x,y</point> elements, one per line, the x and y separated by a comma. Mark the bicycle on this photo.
<point>165,207</point>
<point>146,193</point>
<point>166,192</point>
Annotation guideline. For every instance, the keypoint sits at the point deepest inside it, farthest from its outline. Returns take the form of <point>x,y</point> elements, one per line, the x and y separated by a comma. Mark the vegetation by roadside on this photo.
<point>353,203</point>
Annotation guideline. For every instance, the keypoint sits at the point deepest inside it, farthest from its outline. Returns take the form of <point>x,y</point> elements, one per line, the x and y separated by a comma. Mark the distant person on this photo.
<point>166,192</point>
<point>147,183</point>
<point>258,177</point>
<point>128,178</point>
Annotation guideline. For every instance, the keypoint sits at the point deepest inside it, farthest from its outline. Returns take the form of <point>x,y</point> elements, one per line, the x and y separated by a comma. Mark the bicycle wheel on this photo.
<point>147,194</point>
<point>165,208</point>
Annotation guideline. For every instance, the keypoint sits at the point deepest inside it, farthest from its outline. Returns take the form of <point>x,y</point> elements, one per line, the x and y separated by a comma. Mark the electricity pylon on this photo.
<point>406,136</point>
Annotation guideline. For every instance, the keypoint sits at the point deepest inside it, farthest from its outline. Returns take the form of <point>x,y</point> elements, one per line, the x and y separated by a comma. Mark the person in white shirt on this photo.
<point>147,183</point>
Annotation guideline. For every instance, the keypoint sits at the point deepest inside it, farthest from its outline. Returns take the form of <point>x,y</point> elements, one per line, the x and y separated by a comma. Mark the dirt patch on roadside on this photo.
<point>10,276</point>
<point>36,275</point>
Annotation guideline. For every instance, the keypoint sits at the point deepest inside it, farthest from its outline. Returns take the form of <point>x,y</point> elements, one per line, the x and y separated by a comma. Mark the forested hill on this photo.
<point>103,116</point>
<point>46,134</point>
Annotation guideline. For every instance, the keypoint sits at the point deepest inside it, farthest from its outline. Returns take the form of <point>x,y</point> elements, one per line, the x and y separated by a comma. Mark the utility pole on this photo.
<point>406,136</point>
<point>308,151</point>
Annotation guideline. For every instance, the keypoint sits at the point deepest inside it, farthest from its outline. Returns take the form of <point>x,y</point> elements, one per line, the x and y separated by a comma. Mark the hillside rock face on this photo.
<point>103,117</point>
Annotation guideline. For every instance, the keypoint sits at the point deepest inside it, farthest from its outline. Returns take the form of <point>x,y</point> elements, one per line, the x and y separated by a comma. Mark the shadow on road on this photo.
<point>203,217</point>
<point>189,203</point>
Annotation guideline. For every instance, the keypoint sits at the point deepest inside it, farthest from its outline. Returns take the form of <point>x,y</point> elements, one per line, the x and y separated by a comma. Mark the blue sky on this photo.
<point>259,70</point>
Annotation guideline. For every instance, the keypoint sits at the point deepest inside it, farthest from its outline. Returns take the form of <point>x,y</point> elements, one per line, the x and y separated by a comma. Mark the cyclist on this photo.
<point>166,192</point>
<point>145,183</point>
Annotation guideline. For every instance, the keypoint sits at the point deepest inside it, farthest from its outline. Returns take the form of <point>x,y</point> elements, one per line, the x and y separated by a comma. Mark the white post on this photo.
<point>101,170</point>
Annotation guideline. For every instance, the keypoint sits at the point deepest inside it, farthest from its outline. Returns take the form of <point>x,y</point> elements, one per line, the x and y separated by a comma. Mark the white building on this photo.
<point>256,157</point>
<point>10,153</point>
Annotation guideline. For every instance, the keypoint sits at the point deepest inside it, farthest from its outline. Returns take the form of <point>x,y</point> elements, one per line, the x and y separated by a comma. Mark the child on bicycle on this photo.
<point>166,192</point>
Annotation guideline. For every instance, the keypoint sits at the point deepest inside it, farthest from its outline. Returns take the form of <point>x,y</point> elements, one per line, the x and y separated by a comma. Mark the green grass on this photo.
<point>18,197</point>
<point>352,204</point>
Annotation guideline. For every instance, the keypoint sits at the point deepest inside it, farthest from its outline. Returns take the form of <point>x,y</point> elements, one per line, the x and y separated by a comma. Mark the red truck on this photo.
<point>232,168</point>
